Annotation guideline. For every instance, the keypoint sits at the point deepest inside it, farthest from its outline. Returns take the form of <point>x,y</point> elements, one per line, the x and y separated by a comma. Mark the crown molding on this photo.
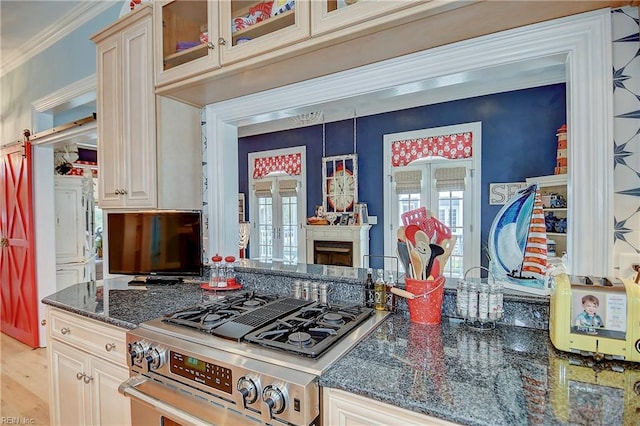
<point>83,13</point>
<point>78,93</point>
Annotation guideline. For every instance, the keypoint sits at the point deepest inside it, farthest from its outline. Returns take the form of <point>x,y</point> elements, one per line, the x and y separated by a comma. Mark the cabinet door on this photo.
<point>186,39</point>
<point>248,29</point>
<point>109,105</point>
<point>68,403</point>
<point>109,407</point>
<point>138,110</point>
<point>69,208</point>
<point>331,15</point>
<point>69,274</point>
<point>347,409</point>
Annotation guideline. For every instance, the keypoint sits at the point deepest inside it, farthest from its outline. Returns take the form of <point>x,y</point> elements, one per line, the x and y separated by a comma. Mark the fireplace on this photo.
<point>341,245</point>
<point>339,253</point>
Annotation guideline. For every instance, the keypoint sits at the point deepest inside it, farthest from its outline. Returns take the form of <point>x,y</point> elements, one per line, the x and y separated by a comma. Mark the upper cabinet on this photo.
<point>197,36</point>
<point>149,147</point>
<point>126,113</point>
<point>253,27</point>
<point>330,15</point>
<point>187,38</point>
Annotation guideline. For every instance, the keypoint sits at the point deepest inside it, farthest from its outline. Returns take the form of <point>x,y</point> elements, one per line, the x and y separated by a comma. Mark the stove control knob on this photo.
<point>137,351</point>
<point>155,358</point>
<point>275,399</point>
<point>249,390</point>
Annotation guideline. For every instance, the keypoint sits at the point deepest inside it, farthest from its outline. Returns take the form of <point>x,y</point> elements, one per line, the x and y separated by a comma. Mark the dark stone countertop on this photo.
<point>505,376</point>
<point>510,375</point>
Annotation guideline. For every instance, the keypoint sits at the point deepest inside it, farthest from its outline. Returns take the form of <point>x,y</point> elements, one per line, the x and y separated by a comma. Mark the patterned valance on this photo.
<point>290,164</point>
<point>445,146</point>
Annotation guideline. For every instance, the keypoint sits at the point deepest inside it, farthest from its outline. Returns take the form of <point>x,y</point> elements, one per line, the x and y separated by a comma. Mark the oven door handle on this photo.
<point>128,388</point>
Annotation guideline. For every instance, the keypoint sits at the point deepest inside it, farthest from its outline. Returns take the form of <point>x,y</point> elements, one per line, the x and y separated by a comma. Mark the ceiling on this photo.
<point>27,23</point>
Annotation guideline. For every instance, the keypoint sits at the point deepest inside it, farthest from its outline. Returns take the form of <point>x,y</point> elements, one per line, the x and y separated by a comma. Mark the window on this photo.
<point>445,186</point>
<point>277,179</point>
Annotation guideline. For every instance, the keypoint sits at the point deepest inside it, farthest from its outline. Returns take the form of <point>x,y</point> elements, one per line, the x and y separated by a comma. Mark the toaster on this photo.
<point>596,316</point>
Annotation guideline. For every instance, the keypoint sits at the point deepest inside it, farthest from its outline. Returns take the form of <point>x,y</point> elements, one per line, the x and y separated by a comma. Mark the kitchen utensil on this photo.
<point>408,295</point>
<point>401,234</point>
<point>423,249</point>
<point>447,244</point>
<point>403,254</point>
<point>410,232</point>
<point>416,264</point>
<point>436,250</point>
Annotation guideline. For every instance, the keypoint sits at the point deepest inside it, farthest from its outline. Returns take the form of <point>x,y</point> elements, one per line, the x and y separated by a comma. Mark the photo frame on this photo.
<point>319,211</point>
<point>361,213</point>
<point>344,219</point>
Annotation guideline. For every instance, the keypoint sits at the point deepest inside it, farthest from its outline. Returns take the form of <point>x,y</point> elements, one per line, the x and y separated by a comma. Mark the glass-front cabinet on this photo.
<point>186,37</point>
<point>195,36</point>
<point>252,27</point>
<point>331,15</point>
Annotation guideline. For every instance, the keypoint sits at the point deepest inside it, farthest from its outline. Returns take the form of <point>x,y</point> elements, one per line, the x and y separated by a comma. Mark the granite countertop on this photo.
<point>509,375</point>
<point>505,376</point>
<point>116,302</point>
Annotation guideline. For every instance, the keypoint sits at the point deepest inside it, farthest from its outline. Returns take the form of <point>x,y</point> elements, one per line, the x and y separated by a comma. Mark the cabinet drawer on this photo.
<point>101,340</point>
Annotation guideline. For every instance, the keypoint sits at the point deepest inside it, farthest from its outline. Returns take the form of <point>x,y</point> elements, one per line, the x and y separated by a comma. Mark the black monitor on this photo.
<point>162,243</point>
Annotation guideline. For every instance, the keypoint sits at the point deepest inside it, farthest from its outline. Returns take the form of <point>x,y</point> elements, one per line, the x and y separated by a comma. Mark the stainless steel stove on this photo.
<point>242,358</point>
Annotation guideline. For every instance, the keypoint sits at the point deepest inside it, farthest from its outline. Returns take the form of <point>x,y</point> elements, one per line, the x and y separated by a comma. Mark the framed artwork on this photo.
<point>344,219</point>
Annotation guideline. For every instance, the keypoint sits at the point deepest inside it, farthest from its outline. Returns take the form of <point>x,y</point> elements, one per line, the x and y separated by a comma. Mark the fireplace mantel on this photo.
<point>357,234</point>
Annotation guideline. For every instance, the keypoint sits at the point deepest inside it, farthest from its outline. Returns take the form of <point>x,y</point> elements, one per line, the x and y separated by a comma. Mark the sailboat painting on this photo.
<point>518,243</point>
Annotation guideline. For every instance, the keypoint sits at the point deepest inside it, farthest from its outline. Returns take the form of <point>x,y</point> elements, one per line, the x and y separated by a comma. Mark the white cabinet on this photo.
<point>177,23</point>
<point>87,364</point>
<point>68,274</point>
<point>346,409</point>
<point>144,141</point>
<point>331,15</point>
<point>74,207</point>
<point>126,113</point>
<point>286,22</point>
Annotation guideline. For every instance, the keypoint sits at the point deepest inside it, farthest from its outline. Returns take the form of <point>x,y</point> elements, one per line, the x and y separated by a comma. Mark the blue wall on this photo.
<point>518,141</point>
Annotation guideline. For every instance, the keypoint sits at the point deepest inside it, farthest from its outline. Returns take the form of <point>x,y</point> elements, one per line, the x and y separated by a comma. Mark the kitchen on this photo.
<point>218,198</point>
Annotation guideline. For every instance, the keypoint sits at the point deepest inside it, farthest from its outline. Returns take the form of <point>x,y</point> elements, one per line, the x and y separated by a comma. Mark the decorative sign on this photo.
<point>500,193</point>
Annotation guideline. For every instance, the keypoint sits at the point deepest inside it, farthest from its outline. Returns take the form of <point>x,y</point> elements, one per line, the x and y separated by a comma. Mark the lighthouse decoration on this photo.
<point>561,156</point>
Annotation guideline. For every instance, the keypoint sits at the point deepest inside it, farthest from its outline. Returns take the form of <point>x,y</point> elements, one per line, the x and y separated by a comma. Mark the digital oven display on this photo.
<point>203,372</point>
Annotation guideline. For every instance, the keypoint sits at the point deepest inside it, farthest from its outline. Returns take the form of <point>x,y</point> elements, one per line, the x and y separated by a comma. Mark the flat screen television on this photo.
<point>160,243</point>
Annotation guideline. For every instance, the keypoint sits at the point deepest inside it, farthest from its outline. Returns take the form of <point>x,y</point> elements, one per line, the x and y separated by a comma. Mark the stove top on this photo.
<point>302,327</point>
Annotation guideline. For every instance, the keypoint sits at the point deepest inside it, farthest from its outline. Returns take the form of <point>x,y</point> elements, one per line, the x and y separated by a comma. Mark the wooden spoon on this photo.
<point>416,264</point>
<point>423,249</point>
<point>410,233</point>
<point>447,244</point>
<point>401,234</point>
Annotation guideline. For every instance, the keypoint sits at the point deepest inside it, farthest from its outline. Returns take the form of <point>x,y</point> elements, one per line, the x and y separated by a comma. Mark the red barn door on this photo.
<point>19,317</point>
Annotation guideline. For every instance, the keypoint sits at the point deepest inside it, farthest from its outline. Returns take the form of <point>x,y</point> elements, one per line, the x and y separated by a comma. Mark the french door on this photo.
<point>277,205</point>
<point>19,318</point>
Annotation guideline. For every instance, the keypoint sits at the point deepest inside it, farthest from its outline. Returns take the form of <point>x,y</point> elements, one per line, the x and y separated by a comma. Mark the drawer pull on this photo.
<point>109,347</point>
<point>65,330</point>
<point>79,376</point>
<point>87,379</point>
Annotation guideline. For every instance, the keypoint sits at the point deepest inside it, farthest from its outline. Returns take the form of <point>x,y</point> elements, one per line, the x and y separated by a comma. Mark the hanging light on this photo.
<point>307,118</point>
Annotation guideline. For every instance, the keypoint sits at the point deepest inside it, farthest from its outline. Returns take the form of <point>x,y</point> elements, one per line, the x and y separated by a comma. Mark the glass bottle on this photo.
<point>214,271</point>
<point>483,301</point>
<point>473,301</point>
<point>462,299</point>
<point>369,297</point>
<point>380,292</point>
<point>390,297</point>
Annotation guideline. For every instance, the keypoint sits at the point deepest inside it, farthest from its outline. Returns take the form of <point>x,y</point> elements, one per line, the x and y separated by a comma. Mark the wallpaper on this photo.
<point>626,144</point>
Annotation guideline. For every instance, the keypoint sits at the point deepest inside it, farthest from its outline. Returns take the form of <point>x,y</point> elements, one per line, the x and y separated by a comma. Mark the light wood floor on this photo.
<point>24,383</point>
